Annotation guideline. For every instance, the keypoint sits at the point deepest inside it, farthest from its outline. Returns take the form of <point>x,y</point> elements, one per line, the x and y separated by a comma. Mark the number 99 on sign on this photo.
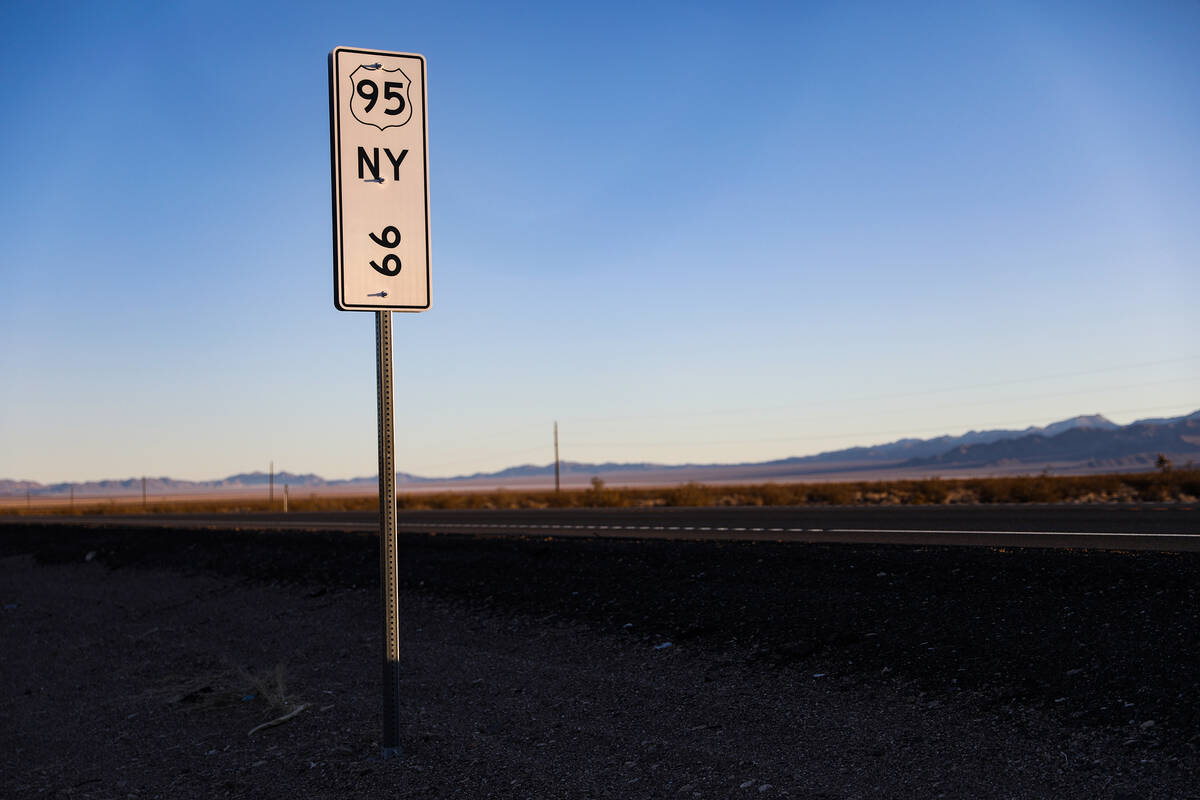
<point>389,237</point>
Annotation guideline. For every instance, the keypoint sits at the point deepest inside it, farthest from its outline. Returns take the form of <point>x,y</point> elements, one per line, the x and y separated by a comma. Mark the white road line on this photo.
<point>1013,533</point>
<point>677,528</point>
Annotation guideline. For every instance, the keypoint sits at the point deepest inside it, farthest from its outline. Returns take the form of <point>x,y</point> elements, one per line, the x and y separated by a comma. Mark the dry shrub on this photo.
<point>690,494</point>
<point>927,491</point>
<point>1174,485</point>
<point>831,494</point>
<point>598,496</point>
<point>269,686</point>
<point>773,494</point>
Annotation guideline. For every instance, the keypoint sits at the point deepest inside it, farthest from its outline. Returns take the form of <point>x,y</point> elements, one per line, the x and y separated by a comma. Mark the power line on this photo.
<point>531,427</point>
<point>507,454</point>
<point>893,395</point>
<point>902,433</point>
<point>1022,398</point>
<point>522,429</point>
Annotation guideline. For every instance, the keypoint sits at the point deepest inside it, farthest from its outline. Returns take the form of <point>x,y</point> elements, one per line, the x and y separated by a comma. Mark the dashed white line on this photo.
<point>509,526</point>
<point>1014,533</point>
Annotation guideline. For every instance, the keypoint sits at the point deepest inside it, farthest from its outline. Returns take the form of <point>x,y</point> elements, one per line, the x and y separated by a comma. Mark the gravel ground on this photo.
<point>136,663</point>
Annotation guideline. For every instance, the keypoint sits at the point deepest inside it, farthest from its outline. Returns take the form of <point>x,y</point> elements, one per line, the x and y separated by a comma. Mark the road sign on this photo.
<point>378,144</point>
<point>378,148</point>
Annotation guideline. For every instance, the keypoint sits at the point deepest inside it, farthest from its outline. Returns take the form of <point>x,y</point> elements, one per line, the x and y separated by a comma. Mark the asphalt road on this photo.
<point>1172,527</point>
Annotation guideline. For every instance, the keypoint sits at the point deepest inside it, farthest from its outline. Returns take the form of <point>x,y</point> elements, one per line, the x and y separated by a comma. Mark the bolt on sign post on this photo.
<point>380,179</point>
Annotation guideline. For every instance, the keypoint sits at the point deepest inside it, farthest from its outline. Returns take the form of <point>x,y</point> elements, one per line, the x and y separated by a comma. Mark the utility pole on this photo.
<point>285,495</point>
<point>271,485</point>
<point>556,483</point>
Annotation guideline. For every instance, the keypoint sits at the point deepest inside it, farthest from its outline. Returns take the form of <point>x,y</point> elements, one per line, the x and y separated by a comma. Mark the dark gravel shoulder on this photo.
<point>1096,650</point>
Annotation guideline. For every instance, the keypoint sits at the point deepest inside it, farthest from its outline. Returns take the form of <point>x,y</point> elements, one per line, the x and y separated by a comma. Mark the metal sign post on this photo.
<point>378,153</point>
<point>389,544</point>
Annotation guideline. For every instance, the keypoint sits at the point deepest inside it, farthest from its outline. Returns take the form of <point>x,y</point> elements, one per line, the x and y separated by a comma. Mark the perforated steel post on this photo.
<point>388,542</point>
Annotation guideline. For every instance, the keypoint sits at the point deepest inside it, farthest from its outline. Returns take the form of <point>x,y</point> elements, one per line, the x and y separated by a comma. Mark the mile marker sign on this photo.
<point>377,144</point>
<point>377,139</point>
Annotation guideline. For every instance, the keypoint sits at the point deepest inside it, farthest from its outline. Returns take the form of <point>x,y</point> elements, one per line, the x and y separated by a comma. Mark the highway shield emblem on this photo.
<point>379,97</point>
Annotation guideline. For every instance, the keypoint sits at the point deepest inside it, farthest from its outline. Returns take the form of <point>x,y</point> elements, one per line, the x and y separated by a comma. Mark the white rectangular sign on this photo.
<point>378,141</point>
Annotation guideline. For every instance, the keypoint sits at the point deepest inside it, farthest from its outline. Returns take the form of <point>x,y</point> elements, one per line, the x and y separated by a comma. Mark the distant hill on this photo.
<point>1080,444</point>
<point>1139,442</point>
<point>909,449</point>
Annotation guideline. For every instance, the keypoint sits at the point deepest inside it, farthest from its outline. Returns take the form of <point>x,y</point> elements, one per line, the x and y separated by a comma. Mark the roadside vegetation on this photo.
<point>1166,485</point>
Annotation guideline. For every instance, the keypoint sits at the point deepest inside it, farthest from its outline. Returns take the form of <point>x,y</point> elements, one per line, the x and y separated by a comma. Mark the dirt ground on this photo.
<point>142,663</point>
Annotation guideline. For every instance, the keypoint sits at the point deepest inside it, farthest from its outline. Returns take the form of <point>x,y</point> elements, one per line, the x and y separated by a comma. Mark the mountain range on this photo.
<point>1083,444</point>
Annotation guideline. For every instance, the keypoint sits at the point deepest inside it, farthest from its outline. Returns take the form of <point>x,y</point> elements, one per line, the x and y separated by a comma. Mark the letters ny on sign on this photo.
<point>380,180</point>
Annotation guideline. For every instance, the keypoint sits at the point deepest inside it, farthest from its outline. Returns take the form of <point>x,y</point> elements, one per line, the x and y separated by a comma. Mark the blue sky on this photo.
<point>689,232</point>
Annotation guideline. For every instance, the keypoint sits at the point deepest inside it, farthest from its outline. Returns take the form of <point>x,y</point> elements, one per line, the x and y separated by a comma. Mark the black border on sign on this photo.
<point>335,150</point>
